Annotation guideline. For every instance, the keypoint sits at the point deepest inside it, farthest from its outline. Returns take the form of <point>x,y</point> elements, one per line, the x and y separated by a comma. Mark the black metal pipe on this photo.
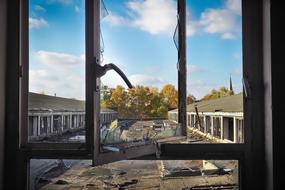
<point>111,66</point>
<point>101,71</point>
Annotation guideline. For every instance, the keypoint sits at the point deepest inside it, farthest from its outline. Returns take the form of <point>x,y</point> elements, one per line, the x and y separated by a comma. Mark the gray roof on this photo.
<point>41,102</point>
<point>232,103</point>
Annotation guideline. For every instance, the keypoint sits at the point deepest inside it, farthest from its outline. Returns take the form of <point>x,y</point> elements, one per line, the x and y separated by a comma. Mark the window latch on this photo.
<point>102,70</point>
<point>246,87</point>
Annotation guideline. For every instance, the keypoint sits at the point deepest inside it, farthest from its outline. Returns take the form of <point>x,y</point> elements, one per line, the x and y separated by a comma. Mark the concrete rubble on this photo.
<point>146,174</point>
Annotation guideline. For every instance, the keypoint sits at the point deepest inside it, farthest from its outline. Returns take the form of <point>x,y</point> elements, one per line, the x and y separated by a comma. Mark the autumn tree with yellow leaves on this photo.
<point>141,101</point>
<point>222,92</point>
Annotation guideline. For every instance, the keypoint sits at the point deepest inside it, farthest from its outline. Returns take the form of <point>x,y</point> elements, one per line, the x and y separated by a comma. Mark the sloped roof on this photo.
<point>232,103</point>
<point>53,103</point>
<point>45,102</point>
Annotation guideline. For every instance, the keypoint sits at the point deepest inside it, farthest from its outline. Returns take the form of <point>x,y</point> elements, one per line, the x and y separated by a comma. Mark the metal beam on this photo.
<point>182,65</point>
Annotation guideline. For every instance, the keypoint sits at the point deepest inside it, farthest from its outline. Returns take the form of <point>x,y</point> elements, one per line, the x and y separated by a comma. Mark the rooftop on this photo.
<point>41,102</point>
<point>232,103</point>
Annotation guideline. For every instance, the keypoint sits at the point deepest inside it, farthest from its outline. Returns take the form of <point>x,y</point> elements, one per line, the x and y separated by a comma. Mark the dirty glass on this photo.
<point>214,72</point>
<point>56,108</point>
<point>138,37</point>
<point>135,174</point>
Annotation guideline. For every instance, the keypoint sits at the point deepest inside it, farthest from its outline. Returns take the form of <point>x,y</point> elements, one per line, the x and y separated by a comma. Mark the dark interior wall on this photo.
<point>278,103</point>
<point>2,83</point>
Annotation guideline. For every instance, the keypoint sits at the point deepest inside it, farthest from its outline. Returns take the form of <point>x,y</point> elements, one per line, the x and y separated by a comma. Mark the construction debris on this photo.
<point>146,174</point>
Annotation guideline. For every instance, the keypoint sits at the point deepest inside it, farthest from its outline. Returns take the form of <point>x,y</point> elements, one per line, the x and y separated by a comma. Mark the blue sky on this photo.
<point>138,38</point>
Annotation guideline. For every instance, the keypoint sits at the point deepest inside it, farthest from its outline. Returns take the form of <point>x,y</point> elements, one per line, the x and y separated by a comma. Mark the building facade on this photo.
<point>51,115</point>
<point>220,119</point>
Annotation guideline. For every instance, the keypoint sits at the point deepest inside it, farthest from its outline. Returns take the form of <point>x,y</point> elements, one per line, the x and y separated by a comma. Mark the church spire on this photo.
<point>231,85</point>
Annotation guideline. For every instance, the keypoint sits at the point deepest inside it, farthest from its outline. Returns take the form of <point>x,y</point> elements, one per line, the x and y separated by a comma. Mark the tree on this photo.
<point>141,101</point>
<point>170,95</point>
<point>145,102</point>
<point>222,92</point>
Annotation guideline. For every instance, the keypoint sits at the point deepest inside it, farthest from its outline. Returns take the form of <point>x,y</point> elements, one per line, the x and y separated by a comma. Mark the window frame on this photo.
<point>253,108</point>
<point>50,149</point>
<point>247,153</point>
<point>100,157</point>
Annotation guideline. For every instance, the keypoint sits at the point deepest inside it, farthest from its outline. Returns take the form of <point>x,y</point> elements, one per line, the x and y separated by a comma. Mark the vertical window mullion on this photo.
<point>24,71</point>
<point>182,65</point>
<point>93,82</point>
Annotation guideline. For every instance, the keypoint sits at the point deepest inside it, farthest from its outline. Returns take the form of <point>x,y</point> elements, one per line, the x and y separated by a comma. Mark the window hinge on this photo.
<point>21,71</point>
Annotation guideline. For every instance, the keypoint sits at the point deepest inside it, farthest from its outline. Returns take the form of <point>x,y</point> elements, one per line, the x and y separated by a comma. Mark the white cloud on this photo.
<point>200,88</point>
<point>112,79</point>
<point>192,25</point>
<point>77,9</point>
<point>217,20</point>
<point>154,16</point>
<point>224,21</point>
<point>115,20</point>
<point>237,55</point>
<point>146,80</point>
<point>58,73</point>
<point>237,72</point>
<point>194,69</point>
<point>37,23</point>
<point>55,59</point>
<point>65,2</point>
<point>191,28</point>
<point>40,8</point>
<point>234,5</point>
<point>228,36</point>
<point>69,84</point>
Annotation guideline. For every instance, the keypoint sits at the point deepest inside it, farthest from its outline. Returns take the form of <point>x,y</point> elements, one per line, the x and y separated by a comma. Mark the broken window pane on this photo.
<point>56,108</point>
<point>142,46</point>
<point>136,174</point>
<point>214,72</point>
